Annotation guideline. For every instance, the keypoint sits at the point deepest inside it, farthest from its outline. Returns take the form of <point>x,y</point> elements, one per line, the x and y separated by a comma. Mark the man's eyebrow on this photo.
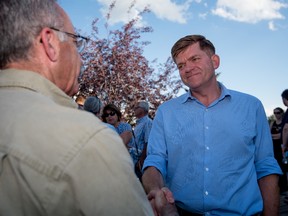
<point>189,58</point>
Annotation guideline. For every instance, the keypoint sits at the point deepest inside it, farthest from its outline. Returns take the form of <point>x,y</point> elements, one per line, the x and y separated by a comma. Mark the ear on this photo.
<point>50,43</point>
<point>215,61</point>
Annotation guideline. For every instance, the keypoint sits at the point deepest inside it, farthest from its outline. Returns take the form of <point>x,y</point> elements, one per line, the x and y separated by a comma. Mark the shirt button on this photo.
<point>206,193</point>
<point>207,169</point>
<point>207,148</point>
<point>207,127</point>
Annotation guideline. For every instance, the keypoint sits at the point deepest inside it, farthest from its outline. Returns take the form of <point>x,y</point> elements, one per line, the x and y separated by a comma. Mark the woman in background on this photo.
<point>275,128</point>
<point>112,115</point>
<point>94,105</point>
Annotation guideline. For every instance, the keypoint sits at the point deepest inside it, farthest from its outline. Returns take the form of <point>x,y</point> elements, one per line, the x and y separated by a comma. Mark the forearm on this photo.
<point>270,194</point>
<point>152,179</point>
<point>142,156</point>
<point>126,136</point>
<point>276,136</point>
<point>160,197</point>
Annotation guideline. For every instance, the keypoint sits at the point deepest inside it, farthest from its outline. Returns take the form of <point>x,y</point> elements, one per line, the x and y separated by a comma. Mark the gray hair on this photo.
<point>20,23</point>
<point>93,104</point>
<point>144,105</point>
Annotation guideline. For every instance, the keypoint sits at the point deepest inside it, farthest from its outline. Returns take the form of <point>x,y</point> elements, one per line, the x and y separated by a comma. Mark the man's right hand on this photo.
<point>162,202</point>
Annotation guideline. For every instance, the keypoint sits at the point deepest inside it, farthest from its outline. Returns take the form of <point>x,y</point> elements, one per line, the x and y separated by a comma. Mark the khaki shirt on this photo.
<point>57,160</point>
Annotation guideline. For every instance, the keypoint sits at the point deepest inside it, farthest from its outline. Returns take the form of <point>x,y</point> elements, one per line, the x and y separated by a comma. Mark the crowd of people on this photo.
<point>135,140</point>
<point>206,152</point>
<point>279,132</point>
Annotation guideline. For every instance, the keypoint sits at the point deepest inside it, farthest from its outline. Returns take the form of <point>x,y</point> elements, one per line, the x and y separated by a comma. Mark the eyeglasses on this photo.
<point>80,40</point>
<point>112,113</point>
<point>277,113</point>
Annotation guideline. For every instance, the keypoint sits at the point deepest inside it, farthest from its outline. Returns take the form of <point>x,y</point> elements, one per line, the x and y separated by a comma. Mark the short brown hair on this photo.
<point>188,40</point>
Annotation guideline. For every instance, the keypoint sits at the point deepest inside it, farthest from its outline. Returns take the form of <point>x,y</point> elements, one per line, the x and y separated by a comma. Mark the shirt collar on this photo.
<point>141,119</point>
<point>224,93</point>
<point>35,82</point>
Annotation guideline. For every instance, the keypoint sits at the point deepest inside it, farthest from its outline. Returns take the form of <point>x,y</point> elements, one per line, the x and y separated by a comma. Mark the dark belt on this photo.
<point>183,212</point>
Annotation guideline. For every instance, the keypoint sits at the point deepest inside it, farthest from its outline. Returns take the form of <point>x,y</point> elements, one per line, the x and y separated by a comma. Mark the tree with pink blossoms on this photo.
<point>117,72</point>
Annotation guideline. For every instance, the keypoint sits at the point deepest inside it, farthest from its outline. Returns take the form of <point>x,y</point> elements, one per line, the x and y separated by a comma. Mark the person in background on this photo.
<point>94,105</point>
<point>141,132</point>
<point>112,115</point>
<point>284,132</point>
<point>54,158</point>
<point>275,128</point>
<point>80,101</point>
<point>211,147</point>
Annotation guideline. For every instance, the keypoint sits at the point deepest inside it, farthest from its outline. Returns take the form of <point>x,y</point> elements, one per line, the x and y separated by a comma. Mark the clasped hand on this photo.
<point>162,202</point>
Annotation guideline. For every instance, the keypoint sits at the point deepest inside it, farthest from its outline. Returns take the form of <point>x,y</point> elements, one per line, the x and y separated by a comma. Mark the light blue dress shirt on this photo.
<point>211,157</point>
<point>141,133</point>
<point>122,127</point>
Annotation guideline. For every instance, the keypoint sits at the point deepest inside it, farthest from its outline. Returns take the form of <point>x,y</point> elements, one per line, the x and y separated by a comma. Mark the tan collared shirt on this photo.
<point>57,160</point>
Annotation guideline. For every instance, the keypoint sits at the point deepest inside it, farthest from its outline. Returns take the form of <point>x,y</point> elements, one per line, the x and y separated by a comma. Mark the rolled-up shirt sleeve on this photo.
<point>157,149</point>
<point>265,163</point>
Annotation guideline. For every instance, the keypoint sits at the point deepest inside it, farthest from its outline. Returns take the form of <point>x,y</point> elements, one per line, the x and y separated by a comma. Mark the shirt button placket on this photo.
<point>207,148</point>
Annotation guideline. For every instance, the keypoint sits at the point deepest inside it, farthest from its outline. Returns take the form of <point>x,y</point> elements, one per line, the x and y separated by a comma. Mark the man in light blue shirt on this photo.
<point>211,147</point>
<point>141,132</point>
